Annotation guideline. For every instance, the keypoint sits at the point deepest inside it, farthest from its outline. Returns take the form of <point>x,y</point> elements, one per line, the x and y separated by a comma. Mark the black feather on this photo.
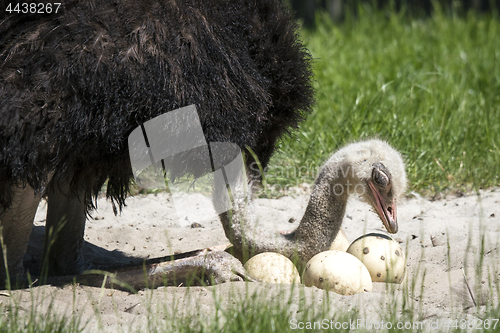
<point>73,85</point>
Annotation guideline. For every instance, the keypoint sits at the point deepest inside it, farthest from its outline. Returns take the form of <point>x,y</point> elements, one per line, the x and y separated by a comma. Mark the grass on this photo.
<point>15,318</point>
<point>429,87</point>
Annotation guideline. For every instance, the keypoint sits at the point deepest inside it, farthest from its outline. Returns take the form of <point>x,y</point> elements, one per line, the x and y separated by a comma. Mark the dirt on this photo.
<point>445,240</point>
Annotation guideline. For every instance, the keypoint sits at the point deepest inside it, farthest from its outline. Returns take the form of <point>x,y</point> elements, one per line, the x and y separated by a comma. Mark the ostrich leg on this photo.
<point>64,241</point>
<point>16,223</point>
<point>207,265</point>
<point>64,229</point>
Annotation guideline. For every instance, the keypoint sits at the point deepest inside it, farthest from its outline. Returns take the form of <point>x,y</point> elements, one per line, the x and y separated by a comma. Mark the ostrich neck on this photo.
<point>316,231</point>
<point>324,214</point>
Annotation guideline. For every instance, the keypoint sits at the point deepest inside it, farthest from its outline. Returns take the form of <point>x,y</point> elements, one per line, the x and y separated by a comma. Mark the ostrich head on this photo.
<point>371,169</point>
<point>376,172</point>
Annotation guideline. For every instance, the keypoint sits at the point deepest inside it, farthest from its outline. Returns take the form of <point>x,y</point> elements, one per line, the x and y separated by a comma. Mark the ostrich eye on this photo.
<point>380,177</point>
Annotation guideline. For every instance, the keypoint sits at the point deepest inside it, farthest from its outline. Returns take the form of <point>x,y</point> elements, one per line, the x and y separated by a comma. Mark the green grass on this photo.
<point>15,318</point>
<point>430,87</point>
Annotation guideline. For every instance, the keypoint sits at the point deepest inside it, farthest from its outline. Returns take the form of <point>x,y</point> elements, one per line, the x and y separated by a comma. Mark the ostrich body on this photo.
<point>372,169</point>
<point>75,83</point>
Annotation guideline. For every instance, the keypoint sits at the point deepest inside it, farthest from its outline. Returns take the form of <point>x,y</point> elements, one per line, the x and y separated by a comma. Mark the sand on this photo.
<point>440,236</point>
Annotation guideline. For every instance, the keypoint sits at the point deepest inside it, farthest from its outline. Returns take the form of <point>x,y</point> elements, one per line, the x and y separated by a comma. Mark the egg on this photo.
<point>337,271</point>
<point>382,256</point>
<point>272,267</point>
<point>340,243</point>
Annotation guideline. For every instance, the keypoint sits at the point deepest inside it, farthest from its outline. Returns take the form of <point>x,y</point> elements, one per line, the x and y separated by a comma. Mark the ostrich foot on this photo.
<point>207,266</point>
<point>221,267</point>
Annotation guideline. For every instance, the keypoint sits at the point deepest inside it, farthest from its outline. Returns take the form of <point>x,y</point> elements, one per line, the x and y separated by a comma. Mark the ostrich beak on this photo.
<point>386,211</point>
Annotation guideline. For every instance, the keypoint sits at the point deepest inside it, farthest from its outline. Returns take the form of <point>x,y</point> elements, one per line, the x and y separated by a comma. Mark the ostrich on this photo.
<point>74,84</point>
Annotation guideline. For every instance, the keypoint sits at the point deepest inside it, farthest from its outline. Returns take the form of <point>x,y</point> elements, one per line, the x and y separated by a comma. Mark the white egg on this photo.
<point>382,256</point>
<point>340,243</point>
<point>272,267</point>
<point>337,271</point>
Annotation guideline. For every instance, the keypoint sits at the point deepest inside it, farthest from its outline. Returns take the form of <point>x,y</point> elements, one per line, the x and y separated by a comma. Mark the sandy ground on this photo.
<point>148,228</point>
